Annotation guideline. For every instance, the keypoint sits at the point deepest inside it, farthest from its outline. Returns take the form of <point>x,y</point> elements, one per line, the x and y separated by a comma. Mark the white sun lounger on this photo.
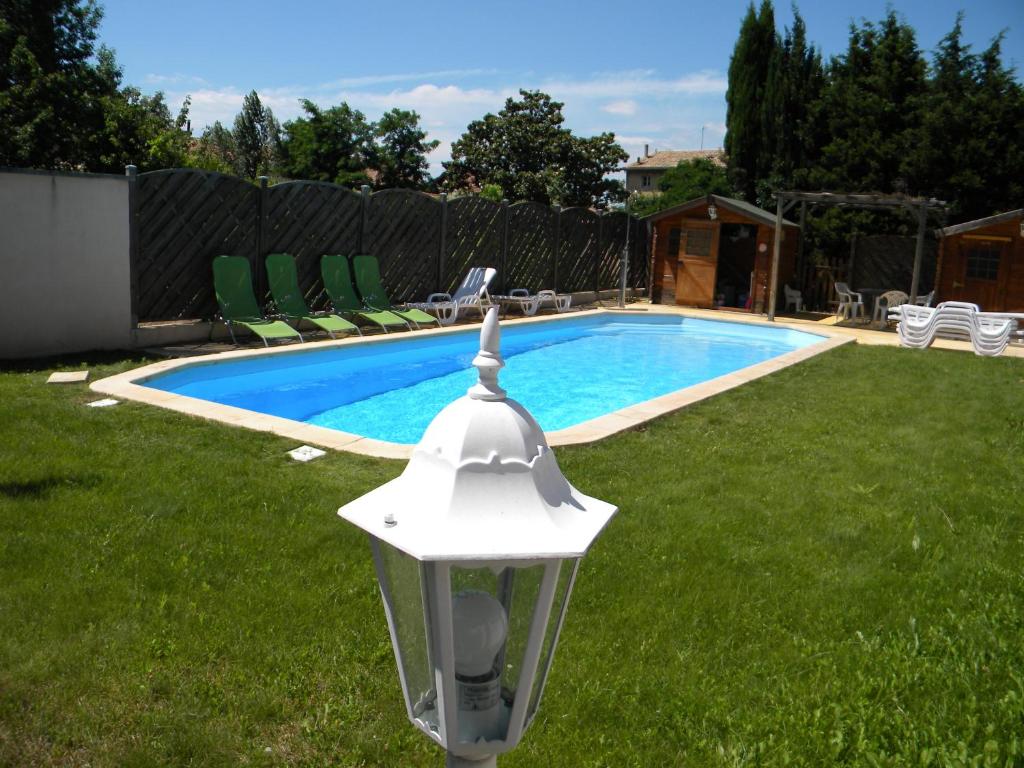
<point>471,293</point>
<point>989,333</point>
<point>519,298</point>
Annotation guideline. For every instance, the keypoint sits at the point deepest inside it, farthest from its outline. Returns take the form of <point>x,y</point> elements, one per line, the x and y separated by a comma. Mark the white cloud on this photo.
<point>175,79</point>
<point>356,82</point>
<point>623,107</point>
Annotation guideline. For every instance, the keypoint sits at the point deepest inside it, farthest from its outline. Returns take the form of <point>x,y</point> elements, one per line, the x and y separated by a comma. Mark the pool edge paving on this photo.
<point>125,385</point>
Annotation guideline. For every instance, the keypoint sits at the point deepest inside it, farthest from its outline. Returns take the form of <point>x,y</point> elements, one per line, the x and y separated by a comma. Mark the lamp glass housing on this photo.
<point>473,642</point>
<point>403,591</point>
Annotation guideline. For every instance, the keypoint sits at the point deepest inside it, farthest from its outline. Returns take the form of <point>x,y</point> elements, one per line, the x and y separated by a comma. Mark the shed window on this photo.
<point>673,241</point>
<point>983,262</point>
<point>698,242</point>
<point>645,181</point>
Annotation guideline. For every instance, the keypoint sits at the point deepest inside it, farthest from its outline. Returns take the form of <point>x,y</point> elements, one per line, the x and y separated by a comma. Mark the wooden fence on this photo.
<point>183,218</point>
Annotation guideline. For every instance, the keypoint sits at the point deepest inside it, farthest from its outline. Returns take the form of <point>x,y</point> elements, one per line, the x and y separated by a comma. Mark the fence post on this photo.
<point>503,262</point>
<point>557,248</point>
<point>624,265</point>
<point>441,255</point>
<point>597,258</point>
<point>364,218</point>
<point>260,268</point>
<point>133,242</point>
<point>649,246</point>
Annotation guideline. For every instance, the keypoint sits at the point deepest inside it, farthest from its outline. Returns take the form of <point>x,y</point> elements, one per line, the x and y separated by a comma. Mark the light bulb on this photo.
<point>480,627</point>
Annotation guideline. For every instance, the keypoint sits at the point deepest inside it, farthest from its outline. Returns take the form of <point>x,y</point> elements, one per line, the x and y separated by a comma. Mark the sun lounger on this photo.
<point>472,293</point>
<point>338,284</point>
<point>518,298</point>
<point>291,304</point>
<point>232,283</point>
<point>529,304</point>
<point>989,333</point>
<point>369,285</point>
<point>560,302</point>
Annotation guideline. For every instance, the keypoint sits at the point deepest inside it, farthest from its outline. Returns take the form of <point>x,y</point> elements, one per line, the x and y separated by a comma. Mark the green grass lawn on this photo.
<point>823,567</point>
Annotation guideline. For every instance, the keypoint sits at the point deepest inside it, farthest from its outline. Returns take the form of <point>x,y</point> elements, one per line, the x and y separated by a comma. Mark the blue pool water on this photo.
<point>564,372</point>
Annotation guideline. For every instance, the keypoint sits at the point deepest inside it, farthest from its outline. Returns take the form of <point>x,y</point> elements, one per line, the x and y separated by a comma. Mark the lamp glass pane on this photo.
<point>558,609</point>
<point>492,611</point>
<point>404,593</point>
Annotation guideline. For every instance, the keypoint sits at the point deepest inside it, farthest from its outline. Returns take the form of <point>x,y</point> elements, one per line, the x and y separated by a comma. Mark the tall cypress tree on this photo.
<point>873,110</point>
<point>795,83</point>
<point>257,138</point>
<point>748,133</point>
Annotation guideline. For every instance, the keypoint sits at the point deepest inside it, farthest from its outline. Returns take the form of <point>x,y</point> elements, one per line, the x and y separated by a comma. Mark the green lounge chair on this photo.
<point>290,303</point>
<point>372,290</point>
<point>232,282</point>
<point>338,284</point>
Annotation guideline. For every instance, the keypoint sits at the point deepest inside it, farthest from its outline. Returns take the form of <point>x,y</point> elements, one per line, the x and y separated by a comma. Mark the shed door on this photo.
<point>698,262</point>
<point>984,271</point>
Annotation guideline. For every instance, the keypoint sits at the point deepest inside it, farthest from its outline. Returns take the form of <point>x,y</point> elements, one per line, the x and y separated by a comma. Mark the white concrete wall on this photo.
<point>64,264</point>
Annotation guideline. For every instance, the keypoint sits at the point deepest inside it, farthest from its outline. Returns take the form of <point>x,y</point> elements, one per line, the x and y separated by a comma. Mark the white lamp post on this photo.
<point>476,546</point>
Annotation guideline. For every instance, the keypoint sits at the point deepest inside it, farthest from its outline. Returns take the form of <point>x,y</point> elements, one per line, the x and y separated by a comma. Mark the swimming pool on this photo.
<point>565,371</point>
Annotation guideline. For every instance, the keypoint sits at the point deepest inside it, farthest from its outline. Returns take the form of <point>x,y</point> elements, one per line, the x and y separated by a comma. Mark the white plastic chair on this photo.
<point>793,298</point>
<point>926,300</point>
<point>851,303</point>
<point>472,292</point>
<point>884,303</point>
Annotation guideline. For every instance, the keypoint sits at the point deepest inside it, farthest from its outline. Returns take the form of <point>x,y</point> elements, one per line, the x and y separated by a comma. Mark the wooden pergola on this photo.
<point>918,206</point>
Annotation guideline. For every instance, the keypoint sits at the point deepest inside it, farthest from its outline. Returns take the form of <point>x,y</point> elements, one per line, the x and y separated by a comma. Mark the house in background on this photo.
<point>644,174</point>
<point>982,262</point>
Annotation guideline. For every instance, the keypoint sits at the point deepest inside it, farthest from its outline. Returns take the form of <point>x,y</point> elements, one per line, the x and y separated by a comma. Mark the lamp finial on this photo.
<point>488,360</point>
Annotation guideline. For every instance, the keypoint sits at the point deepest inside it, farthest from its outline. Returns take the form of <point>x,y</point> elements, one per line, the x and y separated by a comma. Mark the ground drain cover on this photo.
<point>306,453</point>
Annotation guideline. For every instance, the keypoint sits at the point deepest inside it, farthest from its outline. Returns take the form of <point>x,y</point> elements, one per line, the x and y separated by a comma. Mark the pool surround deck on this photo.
<point>127,385</point>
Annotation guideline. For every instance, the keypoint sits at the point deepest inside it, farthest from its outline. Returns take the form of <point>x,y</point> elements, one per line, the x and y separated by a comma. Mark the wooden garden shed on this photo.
<point>982,262</point>
<point>716,252</point>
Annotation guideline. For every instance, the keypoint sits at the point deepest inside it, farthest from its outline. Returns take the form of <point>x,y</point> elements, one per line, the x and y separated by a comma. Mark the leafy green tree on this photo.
<point>399,151</point>
<point>492,192</point>
<point>213,151</point>
<point>689,180</point>
<point>51,90</point>
<point>256,134</point>
<point>750,133</point>
<point>526,151</point>
<point>327,145</point>
<point>62,104</point>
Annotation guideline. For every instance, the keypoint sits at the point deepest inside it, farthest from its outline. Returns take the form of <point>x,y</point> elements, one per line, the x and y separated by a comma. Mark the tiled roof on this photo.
<point>672,158</point>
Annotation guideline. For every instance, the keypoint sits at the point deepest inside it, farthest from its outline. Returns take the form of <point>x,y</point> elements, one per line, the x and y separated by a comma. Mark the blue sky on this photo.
<point>653,73</point>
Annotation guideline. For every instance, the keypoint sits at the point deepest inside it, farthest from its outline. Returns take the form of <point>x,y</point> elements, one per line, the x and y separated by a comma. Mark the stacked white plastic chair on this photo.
<point>918,327</point>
